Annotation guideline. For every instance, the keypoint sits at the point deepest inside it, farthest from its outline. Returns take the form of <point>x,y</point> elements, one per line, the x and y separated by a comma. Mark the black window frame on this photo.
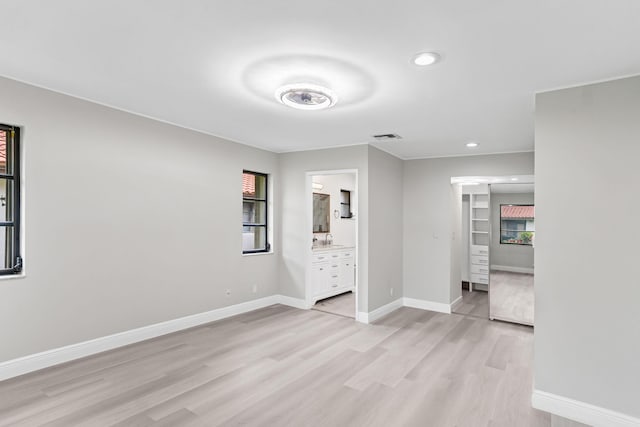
<point>348,204</point>
<point>267,244</point>
<point>525,220</point>
<point>13,165</point>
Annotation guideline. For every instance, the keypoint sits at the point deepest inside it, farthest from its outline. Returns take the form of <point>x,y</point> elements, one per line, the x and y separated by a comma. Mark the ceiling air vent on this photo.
<point>386,137</point>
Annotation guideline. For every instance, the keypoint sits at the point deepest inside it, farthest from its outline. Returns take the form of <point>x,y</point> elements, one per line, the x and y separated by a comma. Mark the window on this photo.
<point>517,226</point>
<point>10,259</point>
<point>345,204</point>
<point>254,213</point>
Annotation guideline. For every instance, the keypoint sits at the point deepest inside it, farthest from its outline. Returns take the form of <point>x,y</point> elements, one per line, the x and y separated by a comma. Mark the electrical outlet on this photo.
<point>391,291</point>
<point>228,292</point>
<point>254,289</point>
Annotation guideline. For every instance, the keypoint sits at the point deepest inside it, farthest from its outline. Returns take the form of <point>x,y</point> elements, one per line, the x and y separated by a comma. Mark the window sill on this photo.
<point>258,253</point>
<point>12,276</point>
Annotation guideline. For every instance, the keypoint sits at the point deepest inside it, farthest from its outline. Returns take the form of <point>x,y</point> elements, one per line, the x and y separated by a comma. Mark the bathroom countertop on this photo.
<point>331,248</point>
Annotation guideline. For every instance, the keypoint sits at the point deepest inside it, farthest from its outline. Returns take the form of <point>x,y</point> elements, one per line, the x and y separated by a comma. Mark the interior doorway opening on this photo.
<point>331,273</point>
<point>497,247</point>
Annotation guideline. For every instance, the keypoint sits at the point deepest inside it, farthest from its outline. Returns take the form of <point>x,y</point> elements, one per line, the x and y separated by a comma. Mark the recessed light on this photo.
<point>306,96</point>
<point>514,179</point>
<point>426,58</point>
<point>472,144</point>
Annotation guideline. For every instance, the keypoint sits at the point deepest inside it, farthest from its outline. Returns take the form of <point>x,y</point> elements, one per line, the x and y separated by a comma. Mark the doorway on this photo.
<point>331,273</point>
<point>497,247</point>
<point>512,253</point>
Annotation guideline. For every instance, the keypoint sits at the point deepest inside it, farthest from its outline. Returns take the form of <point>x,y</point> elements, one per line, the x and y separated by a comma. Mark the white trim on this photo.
<point>456,303</point>
<point>379,312</point>
<point>45,359</point>
<point>580,411</point>
<point>427,305</point>
<point>293,302</point>
<point>446,156</point>
<point>512,269</point>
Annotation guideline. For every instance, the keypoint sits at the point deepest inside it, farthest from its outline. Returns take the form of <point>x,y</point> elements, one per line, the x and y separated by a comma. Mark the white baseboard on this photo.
<point>456,303</point>
<point>379,312</point>
<point>581,412</point>
<point>45,359</point>
<point>292,302</point>
<point>512,269</point>
<point>428,305</point>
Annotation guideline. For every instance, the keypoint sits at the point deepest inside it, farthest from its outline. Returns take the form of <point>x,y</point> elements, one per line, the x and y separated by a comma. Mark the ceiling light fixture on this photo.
<point>306,96</point>
<point>424,59</point>
<point>472,144</point>
<point>514,179</point>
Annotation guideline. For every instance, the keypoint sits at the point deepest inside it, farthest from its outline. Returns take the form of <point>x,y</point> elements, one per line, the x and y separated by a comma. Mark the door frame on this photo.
<point>309,226</point>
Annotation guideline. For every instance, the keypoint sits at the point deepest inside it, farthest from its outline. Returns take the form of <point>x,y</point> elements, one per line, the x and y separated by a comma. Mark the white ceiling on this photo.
<point>214,65</point>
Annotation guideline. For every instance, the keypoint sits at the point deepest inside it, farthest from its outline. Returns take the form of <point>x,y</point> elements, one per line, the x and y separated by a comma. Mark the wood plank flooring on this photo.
<point>342,305</point>
<point>281,366</point>
<point>474,303</point>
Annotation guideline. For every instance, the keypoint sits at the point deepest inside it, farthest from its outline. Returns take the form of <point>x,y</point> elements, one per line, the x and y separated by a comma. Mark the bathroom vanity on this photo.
<point>332,271</point>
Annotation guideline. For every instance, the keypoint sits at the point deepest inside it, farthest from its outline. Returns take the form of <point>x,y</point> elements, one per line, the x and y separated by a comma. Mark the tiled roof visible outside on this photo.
<point>248,184</point>
<point>517,212</point>
<point>3,148</point>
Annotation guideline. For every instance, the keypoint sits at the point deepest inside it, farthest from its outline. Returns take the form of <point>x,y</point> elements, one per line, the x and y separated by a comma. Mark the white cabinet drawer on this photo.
<point>322,257</point>
<point>479,250</point>
<point>346,254</point>
<point>480,259</point>
<point>479,269</point>
<point>480,278</point>
<point>334,278</point>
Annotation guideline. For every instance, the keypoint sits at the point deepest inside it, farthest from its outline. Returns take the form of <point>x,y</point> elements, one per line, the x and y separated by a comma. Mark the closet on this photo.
<point>478,238</point>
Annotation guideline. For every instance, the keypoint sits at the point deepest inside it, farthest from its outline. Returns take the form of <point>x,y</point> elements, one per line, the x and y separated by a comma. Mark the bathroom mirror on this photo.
<point>321,213</point>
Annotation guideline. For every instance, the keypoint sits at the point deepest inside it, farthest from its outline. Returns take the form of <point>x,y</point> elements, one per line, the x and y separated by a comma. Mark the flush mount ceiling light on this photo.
<point>306,96</point>
<point>471,144</point>
<point>424,59</point>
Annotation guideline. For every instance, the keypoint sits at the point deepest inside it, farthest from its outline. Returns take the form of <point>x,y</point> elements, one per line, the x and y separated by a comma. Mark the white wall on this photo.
<point>427,218</point>
<point>129,222</point>
<point>343,230</point>
<point>587,339</point>
<point>385,228</point>
<point>519,256</point>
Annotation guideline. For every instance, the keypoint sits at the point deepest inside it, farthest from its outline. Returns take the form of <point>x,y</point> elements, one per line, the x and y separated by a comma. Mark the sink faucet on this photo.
<point>327,242</point>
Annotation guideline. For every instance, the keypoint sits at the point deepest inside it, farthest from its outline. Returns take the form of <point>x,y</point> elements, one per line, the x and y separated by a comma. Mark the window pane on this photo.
<point>6,195</point>
<point>254,186</point>
<point>6,247</point>
<point>4,136</point>
<point>254,212</point>
<point>254,238</point>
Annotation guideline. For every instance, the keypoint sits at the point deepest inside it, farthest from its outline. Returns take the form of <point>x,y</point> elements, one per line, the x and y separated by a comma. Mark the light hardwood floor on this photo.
<point>342,305</point>
<point>281,366</point>
<point>512,297</point>
<point>474,303</point>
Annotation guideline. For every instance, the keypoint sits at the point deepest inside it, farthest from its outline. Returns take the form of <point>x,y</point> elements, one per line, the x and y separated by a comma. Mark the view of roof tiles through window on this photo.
<point>3,151</point>
<point>517,212</point>
<point>248,184</point>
